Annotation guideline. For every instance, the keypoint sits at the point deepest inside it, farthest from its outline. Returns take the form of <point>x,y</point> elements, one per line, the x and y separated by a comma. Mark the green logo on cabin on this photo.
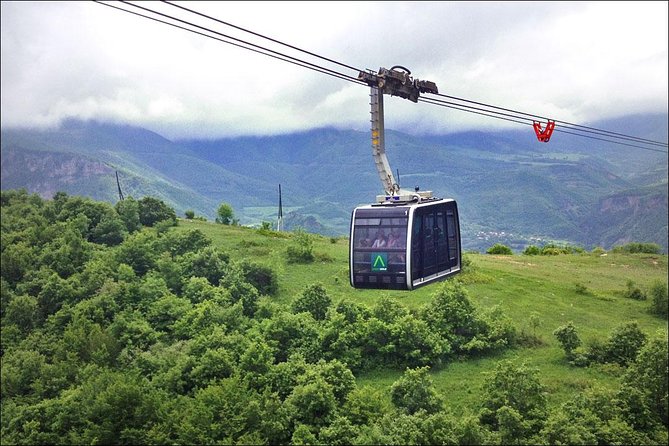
<point>379,262</point>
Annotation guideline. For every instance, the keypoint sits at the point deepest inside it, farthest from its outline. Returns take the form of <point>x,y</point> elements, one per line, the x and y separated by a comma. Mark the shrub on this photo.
<point>532,250</point>
<point>415,391</point>
<point>515,391</point>
<point>658,299</point>
<point>314,300</point>
<point>647,375</point>
<point>582,289</point>
<point>262,277</point>
<point>462,325</point>
<point>302,251</point>
<point>624,344</point>
<point>568,339</point>
<point>499,249</point>
<point>634,292</point>
<point>638,248</point>
<point>225,214</point>
<point>551,249</point>
<point>152,210</point>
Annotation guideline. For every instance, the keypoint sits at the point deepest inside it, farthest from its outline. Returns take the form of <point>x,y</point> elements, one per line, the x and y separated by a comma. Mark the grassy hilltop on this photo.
<point>587,289</point>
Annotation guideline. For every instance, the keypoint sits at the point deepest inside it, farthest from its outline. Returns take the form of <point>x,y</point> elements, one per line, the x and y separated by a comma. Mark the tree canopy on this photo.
<point>118,330</point>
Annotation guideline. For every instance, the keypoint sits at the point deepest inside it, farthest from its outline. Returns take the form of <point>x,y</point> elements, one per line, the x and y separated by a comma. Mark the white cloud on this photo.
<point>573,61</point>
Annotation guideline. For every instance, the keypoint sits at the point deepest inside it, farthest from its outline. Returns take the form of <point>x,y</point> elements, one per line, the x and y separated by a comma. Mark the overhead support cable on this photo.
<point>230,40</point>
<point>575,127</point>
<point>462,104</point>
<point>262,36</point>
<point>518,120</point>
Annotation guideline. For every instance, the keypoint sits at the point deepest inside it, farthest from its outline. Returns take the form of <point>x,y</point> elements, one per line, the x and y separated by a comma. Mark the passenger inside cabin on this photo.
<point>365,240</point>
<point>380,239</point>
<point>393,241</point>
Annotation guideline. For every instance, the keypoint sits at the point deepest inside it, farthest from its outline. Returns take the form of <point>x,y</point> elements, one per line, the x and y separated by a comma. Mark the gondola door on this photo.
<point>434,243</point>
<point>424,247</point>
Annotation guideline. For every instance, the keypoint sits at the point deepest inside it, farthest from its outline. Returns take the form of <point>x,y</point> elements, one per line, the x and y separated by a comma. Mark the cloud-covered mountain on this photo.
<point>509,187</point>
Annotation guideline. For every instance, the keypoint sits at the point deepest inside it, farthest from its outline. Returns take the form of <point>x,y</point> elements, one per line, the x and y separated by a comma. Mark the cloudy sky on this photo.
<point>572,61</point>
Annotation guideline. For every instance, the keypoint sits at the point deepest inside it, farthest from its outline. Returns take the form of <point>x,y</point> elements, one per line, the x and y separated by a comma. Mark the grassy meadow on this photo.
<point>539,294</point>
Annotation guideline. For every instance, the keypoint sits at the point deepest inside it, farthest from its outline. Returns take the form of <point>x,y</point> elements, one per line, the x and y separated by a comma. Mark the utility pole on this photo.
<point>279,223</point>
<point>396,82</point>
<point>118,184</point>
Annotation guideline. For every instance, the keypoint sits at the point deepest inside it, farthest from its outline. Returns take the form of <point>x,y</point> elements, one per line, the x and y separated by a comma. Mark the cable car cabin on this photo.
<point>404,246</point>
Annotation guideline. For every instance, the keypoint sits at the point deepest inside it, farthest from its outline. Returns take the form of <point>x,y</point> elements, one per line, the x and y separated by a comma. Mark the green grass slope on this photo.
<point>587,289</point>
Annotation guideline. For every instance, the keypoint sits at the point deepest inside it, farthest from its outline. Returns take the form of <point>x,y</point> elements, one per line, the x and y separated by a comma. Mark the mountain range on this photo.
<point>510,188</point>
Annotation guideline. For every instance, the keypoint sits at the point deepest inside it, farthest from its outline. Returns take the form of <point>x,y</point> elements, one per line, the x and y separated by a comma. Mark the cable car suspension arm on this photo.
<point>394,83</point>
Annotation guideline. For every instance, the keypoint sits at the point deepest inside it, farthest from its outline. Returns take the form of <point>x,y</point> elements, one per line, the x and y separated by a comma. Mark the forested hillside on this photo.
<point>122,324</point>
<point>510,188</point>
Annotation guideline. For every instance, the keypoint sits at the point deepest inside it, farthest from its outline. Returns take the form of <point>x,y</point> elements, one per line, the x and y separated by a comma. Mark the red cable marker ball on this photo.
<point>544,135</point>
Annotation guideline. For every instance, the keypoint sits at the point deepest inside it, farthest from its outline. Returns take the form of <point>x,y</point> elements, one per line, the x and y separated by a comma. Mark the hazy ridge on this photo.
<point>509,187</point>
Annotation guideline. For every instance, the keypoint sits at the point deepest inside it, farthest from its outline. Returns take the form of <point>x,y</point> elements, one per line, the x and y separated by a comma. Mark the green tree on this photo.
<point>227,404</point>
<point>128,210</point>
<point>303,435</point>
<point>499,249</point>
<point>20,370</point>
<point>313,403</point>
<point>68,253</point>
<point>113,408</point>
<point>335,373</point>
<point>514,400</point>
<point>415,391</point>
<point>138,251</point>
<point>451,314</point>
<point>314,300</point>
<point>74,207</point>
<point>633,291</point>
<point>200,318</point>
<point>152,210</point>
<point>659,299</point>
<point>209,262</point>
<point>283,376</point>
<point>164,312</point>
<point>225,215</point>
<point>648,375</point>
<point>198,289</point>
<point>110,231</point>
<point>22,312</point>
<point>624,343</point>
<point>568,339</point>
<point>240,290</point>
<point>302,249</point>
<point>636,248</point>
<point>131,330</point>
<point>16,260</point>
<point>364,406</point>
<point>178,243</point>
<point>339,432</point>
<point>389,310</point>
<point>532,250</point>
<point>53,294</point>
<point>415,344</point>
<point>595,416</point>
<point>262,277</point>
<point>290,333</point>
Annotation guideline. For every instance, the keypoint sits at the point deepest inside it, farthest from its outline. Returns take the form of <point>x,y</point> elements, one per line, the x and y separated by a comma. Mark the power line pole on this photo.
<point>118,184</point>
<point>279,223</point>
